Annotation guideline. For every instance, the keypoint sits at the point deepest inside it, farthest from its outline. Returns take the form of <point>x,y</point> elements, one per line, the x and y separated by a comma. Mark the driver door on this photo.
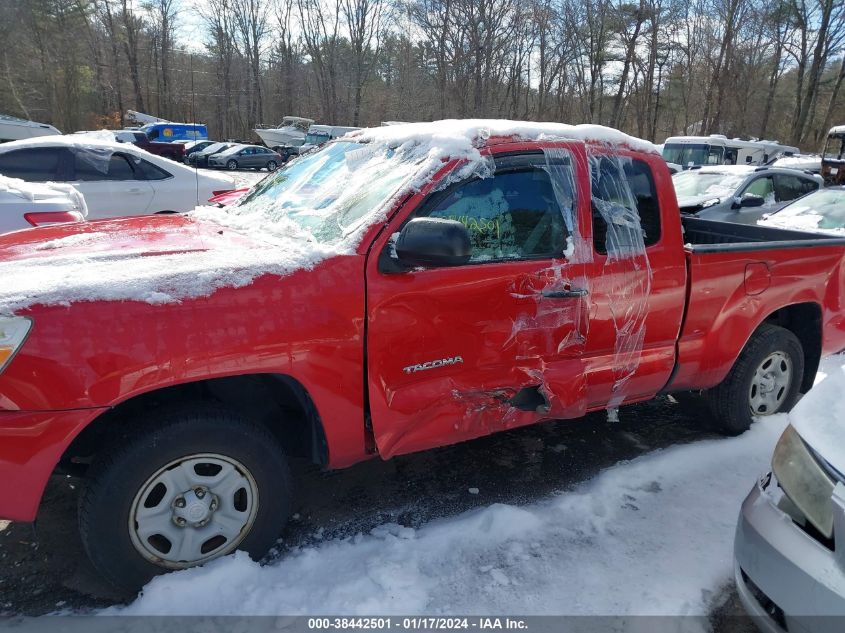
<point>460,352</point>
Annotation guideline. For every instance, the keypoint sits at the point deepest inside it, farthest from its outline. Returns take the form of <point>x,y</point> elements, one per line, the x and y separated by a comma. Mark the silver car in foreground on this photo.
<point>789,550</point>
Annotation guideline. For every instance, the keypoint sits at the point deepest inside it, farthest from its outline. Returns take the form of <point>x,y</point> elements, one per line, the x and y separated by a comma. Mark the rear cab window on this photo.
<point>623,190</point>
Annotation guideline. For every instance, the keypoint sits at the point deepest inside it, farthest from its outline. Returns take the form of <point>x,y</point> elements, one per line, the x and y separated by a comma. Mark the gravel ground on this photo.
<point>44,569</point>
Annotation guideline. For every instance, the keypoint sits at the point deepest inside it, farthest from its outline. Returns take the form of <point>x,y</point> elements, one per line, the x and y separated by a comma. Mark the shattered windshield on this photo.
<point>689,184</point>
<point>329,194</point>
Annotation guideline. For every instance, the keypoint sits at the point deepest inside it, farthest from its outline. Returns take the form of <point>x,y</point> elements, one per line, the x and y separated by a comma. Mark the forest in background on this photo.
<point>653,68</point>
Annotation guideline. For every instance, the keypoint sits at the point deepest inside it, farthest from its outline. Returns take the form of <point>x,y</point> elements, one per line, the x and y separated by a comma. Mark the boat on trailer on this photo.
<point>289,133</point>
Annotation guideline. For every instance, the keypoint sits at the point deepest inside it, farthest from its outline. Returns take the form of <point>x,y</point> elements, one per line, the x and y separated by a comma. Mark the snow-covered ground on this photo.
<point>651,536</point>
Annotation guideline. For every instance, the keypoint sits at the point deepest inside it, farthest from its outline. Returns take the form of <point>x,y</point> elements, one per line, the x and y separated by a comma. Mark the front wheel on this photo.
<point>232,165</point>
<point>765,380</point>
<point>197,483</point>
<point>272,165</point>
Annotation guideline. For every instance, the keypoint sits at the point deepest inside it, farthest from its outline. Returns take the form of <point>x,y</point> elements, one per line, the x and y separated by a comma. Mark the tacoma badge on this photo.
<point>433,364</point>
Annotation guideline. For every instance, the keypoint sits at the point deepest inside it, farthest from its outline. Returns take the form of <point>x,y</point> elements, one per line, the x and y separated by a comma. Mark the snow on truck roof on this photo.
<point>403,156</point>
<point>456,138</point>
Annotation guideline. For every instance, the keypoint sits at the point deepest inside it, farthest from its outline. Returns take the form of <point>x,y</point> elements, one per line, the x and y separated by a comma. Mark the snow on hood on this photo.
<point>159,259</point>
<point>819,417</point>
<point>694,201</point>
<point>800,218</point>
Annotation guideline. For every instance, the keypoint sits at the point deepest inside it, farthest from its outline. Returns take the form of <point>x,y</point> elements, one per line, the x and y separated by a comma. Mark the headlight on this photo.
<point>13,331</point>
<point>804,480</point>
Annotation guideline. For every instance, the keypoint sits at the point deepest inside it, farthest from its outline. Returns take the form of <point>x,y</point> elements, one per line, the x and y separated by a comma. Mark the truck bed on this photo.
<point>714,236</point>
<point>741,275</point>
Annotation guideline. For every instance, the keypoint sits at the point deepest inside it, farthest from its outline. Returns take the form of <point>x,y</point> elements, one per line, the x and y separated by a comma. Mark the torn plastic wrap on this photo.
<point>626,276</point>
<point>560,325</point>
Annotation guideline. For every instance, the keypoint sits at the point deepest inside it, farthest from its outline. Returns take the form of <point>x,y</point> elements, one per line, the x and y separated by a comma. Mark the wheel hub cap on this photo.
<point>192,510</point>
<point>770,384</point>
<point>194,507</point>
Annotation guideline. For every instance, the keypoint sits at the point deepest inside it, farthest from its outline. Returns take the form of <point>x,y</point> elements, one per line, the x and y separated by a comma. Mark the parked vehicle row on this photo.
<point>116,179</point>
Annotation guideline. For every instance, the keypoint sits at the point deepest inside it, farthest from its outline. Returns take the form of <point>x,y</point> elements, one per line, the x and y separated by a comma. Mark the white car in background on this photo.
<point>24,205</point>
<point>116,179</point>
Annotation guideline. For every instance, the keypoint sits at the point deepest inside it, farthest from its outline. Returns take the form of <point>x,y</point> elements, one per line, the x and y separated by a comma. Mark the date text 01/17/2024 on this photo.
<point>418,623</point>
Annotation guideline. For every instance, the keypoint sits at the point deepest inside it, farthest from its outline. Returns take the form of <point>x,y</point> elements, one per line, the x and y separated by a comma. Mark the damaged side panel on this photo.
<point>539,336</point>
<point>518,321</point>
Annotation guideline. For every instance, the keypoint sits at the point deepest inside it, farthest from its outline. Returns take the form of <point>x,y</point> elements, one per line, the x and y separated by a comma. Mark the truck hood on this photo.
<point>155,259</point>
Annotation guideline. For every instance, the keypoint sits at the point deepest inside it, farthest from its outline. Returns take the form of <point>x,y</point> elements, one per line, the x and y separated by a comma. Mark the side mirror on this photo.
<point>750,200</point>
<point>433,242</point>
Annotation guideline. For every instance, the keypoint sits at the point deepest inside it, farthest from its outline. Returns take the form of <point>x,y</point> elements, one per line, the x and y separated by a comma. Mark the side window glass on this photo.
<point>150,171</point>
<point>120,169</point>
<point>623,191</point>
<point>513,215</point>
<point>762,187</point>
<point>31,164</point>
<point>95,168</point>
<point>788,188</point>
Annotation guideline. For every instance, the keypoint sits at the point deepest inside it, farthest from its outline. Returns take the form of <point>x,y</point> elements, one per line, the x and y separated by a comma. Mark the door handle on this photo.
<point>571,293</point>
<point>135,190</point>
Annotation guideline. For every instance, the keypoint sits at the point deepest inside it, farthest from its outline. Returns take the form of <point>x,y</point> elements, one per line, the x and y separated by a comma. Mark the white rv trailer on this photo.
<point>717,149</point>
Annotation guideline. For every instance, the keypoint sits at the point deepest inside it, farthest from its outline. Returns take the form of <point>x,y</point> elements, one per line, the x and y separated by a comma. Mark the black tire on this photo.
<point>730,401</point>
<point>232,165</point>
<point>272,165</point>
<point>124,466</point>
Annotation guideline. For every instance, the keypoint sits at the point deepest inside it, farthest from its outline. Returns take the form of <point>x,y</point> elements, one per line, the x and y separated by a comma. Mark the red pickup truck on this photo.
<point>173,151</point>
<point>411,287</point>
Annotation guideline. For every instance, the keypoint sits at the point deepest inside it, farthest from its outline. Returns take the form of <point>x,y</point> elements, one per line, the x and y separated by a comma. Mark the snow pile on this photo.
<point>650,536</point>
<point>33,191</point>
<point>800,161</point>
<point>819,417</point>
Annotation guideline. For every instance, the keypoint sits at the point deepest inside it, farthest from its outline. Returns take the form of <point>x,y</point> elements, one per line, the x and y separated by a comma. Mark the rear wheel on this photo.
<point>764,380</point>
<point>232,165</point>
<point>195,484</point>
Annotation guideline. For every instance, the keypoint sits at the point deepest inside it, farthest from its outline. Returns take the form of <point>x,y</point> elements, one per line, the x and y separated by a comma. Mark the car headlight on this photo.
<point>804,480</point>
<point>13,331</point>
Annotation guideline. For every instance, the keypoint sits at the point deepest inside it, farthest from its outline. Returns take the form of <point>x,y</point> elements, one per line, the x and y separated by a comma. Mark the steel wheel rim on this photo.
<point>770,384</point>
<point>192,510</point>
